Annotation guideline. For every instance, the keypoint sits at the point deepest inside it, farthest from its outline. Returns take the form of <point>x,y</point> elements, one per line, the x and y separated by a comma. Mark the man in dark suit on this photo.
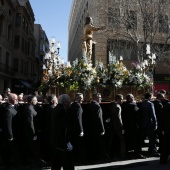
<point>158,111</point>
<point>48,110</point>
<point>148,123</point>
<point>164,100</point>
<point>130,118</point>
<point>11,131</point>
<point>166,131</point>
<point>28,118</point>
<point>30,133</point>
<point>77,131</point>
<point>116,126</point>
<point>2,107</point>
<point>96,128</point>
<point>60,135</point>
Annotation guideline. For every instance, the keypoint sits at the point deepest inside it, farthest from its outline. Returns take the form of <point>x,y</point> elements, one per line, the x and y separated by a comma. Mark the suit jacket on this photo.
<point>116,123</point>
<point>47,120</point>
<point>147,114</point>
<point>10,124</point>
<point>165,119</point>
<point>60,128</point>
<point>2,110</point>
<point>158,111</point>
<point>95,118</point>
<point>76,112</point>
<point>130,116</point>
<point>28,121</point>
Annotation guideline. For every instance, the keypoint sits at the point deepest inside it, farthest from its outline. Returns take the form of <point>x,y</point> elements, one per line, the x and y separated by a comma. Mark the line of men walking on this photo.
<point>62,132</point>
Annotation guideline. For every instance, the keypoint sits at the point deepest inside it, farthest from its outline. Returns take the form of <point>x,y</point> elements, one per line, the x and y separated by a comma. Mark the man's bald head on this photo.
<point>1,98</point>
<point>13,98</point>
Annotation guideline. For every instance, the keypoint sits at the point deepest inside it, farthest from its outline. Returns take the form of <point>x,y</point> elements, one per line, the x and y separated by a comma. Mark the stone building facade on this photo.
<point>22,46</point>
<point>114,37</point>
<point>7,29</point>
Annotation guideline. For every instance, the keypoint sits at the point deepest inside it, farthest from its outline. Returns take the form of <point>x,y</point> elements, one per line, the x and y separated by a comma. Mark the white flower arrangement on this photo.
<point>82,75</point>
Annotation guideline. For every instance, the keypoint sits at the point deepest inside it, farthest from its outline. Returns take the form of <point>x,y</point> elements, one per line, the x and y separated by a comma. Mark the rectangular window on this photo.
<point>0,54</point>
<point>22,66</point>
<point>16,64</point>
<point>23,43</point>
<point>7,59</point>
<point>117,48</point>
<point>32,50</point>
<point>26,48</point>
<point>42,35</point>
<point>148,22</point>
<point>9,32</point>
<point>1,24</point>
<point>163,24</point>
<point>113,17</point>
<point>32,72</point>
<point>23,23</point>
<point>18,20</point>
<point>27,68</point>
<point>17,42</point>
<point>162,49</point>
<point>131,20</point>
<point>42,47</point>
<point>26,27</point>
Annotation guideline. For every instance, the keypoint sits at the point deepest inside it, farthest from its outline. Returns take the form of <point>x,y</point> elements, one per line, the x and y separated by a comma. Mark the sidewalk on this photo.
<point>139,164</point>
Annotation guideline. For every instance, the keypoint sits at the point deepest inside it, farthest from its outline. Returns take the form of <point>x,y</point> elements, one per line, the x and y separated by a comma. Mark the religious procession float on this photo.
<point>82,76</point>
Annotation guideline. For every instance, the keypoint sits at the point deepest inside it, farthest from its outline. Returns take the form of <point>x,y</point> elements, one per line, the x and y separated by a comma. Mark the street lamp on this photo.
<point>52,60</point>
<point>149,63</point>
<point>150,60</point>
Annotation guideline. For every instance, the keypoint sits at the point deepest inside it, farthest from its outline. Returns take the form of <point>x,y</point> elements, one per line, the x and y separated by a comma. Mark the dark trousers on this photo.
<point>158,134</point>
<point>1,148</point>
<point>165,149</point>
<point>132,138</point>
<point>31,151</point>
<point>96,147</point>
<point>79,150</point>
<point>120,149</point>
<point>11,153</point>
<point>62,159</point>
<point>151,135</point>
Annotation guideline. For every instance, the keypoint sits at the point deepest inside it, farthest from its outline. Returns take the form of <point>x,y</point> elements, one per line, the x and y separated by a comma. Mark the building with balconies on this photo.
<point>7,28</point>
<point>42,47</point>
<point>24,48</point>
<point>17,46</point>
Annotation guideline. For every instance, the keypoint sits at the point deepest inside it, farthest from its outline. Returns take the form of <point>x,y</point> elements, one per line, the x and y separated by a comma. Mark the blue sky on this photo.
<point>53,15</point>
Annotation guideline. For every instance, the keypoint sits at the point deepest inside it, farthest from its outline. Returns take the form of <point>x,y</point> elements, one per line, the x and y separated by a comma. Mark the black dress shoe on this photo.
<point>42,163</point>
<point>155,155</point>
<point>139,156</point>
